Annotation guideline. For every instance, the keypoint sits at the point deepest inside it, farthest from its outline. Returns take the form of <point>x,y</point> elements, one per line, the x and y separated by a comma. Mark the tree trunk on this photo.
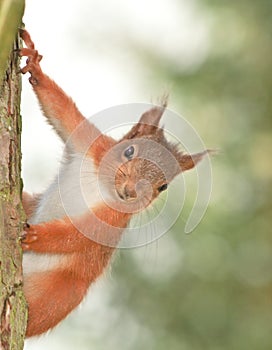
<point>13,311</point>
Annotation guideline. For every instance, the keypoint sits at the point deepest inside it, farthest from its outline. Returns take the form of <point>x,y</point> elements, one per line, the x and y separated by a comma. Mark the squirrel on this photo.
<point>65,253</point>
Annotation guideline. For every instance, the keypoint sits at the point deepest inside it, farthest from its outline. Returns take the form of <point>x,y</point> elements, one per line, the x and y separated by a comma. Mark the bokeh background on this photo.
<point>211,289</point>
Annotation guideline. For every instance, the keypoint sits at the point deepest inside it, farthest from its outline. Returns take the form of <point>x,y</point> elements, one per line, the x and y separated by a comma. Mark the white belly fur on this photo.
<point>65,197</point>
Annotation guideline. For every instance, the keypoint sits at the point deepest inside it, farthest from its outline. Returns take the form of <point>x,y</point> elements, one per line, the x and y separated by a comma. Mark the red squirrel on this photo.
<point>61,260</point>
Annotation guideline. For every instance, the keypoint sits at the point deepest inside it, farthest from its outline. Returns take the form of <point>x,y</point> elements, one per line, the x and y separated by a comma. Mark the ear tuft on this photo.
<point>163,100</point>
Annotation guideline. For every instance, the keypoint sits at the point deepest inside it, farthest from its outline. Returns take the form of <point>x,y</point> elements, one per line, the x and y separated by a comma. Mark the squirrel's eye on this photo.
<point>163,187</point>
<point>128,153</point>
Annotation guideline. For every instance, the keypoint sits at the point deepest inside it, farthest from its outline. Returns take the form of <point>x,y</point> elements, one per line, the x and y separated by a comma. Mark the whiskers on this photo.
<point>145,225</point>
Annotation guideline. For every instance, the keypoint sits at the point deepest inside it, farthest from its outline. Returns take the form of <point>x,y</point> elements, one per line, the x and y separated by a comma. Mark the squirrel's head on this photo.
<point>142,164</point>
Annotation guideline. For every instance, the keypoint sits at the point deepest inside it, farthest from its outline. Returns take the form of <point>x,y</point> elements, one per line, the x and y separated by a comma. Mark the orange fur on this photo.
<point>84,263</point>
<point>63,236</point>
<point>50,301</point>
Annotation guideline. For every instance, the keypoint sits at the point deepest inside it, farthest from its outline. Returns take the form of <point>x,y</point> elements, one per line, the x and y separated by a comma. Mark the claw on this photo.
<point>28,236</point>
<point>26,225</point>
<point>27,38</point>
<point>21,30</point>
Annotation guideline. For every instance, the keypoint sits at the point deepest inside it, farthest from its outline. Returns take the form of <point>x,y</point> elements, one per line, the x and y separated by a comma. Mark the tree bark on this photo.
<point>13,310</point>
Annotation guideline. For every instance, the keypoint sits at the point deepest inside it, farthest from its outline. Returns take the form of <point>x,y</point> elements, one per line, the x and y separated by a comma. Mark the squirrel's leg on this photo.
<point>67,235</point>
<point>56,236</point>
<point>51,296</point>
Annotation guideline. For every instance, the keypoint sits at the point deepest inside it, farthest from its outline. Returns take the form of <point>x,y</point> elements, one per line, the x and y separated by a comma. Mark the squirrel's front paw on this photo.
<point>29,236</point>
<point>33,58</point>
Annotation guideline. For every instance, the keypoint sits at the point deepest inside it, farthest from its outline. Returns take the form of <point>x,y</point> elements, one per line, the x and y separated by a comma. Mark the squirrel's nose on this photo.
<point>127,192</point>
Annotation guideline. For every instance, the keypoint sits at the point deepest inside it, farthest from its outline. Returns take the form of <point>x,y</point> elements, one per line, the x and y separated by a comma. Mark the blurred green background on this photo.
<point>211,289</point>
<point>219,295</point>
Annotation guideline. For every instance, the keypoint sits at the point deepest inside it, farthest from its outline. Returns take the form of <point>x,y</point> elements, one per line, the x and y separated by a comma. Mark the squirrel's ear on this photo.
<point>148,123</point>
<point>189,161</point>
<point>152,117</point>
